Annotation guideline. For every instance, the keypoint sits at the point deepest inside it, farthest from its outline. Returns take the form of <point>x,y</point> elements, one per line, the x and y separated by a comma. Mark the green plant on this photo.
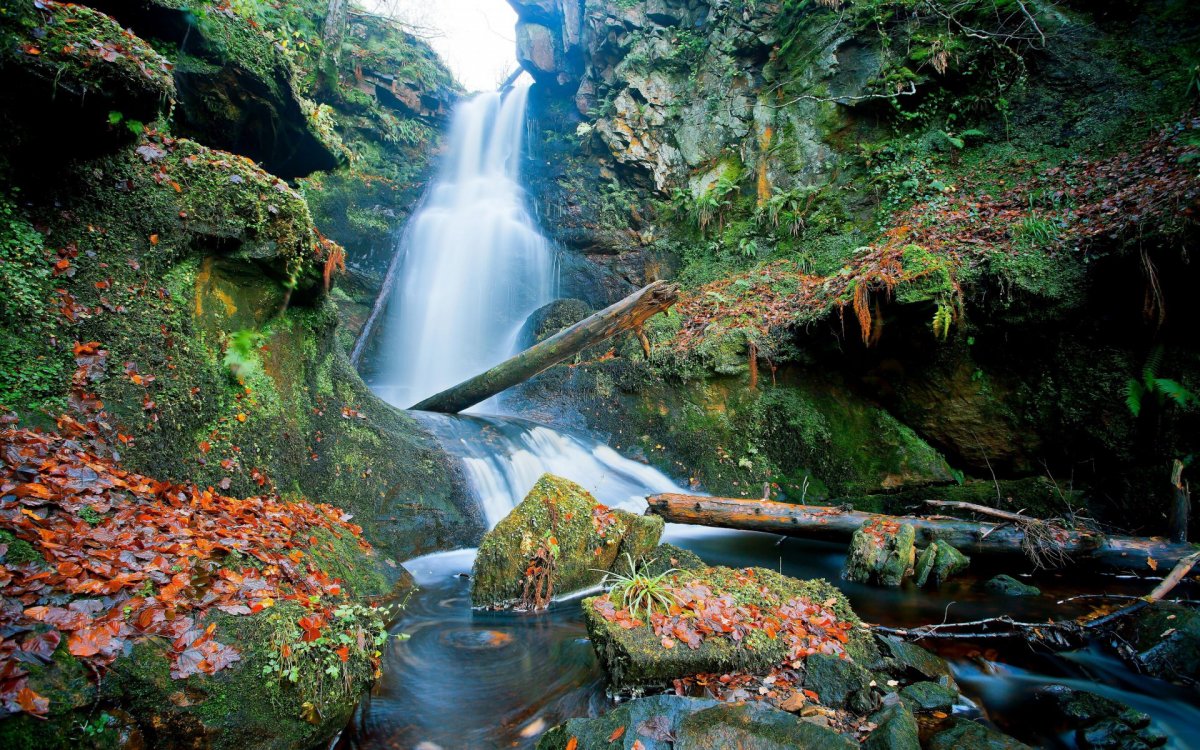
<point>240,354</point>
<point>90,515</point>
<point>323,656</point>
<point>1163,390</point>
<point>638,592</point>
<point>94,729</point>
<point>943,318</point>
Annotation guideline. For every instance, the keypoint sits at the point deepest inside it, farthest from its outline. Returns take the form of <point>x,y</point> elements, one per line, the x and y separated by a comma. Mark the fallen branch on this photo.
<point>1040,543</point>
<point>1098,551</point>
<point>630,314</point>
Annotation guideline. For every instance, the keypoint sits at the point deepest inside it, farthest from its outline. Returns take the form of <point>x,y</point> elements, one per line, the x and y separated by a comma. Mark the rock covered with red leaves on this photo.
<point>734,634</point>
<point>105,570</point>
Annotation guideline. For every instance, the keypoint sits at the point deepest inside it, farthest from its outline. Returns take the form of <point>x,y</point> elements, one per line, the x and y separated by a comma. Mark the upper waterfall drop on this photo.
<point>474,265</point>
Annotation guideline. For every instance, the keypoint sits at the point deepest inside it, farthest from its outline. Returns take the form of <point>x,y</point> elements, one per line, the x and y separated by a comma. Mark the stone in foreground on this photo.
<point>560,527</point>
<point>749,612</point>
<point>669,722</point>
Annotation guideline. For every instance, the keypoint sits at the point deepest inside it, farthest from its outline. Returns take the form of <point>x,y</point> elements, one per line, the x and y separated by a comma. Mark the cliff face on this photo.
<point>975,218</point>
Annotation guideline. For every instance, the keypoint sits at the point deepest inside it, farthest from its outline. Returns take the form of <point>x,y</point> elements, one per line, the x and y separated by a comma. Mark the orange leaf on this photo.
<point>343,653</point>
<point>31,702</point>
<point>154,239</point>
<point>572,743</point>
<point>616,735</point>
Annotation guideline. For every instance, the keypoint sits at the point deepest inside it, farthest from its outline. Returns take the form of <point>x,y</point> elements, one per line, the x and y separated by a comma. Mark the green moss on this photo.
<point>342,557</point>
<point>85,53</point>
<point>20,551</point>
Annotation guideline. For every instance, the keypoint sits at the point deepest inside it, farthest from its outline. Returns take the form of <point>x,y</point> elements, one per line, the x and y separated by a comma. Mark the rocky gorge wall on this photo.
<point>971,222</point>
<point>160,285</point>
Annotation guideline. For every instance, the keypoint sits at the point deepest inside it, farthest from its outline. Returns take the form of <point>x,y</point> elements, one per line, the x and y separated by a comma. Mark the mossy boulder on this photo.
<point>896,729</point>
<point>755,726</point>
<point>1167,639</point>
<point>551,318</point>
<point>1098,722</point>
<point>927,697</point>
<point>839,682</point>
<point>881,553</point>
<point>588,538</point>
<point>1006,585</point>
<point>635,658</point>
<point>963,734</point>
<point>908,661</point>
<point>937,563</point>
<point>249,705</point>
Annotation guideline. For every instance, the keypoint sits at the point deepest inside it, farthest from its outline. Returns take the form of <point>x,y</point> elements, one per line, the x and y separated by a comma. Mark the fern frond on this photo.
<point>1150,369</point>
<point>1133,396</point>
<point>1174,390</point>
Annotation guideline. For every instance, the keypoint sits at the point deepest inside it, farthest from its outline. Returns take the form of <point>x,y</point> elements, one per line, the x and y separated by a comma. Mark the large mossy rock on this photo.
<point>881,553</point>
<point>634,657</point>
<point>669,722</point>
<point>963,734</point>
<point>1006,585</point>
<point>1167,639</point>
<point>590,539</point>
<point>1098,722</point>
<point>937,563</point>
<point>245,706</point>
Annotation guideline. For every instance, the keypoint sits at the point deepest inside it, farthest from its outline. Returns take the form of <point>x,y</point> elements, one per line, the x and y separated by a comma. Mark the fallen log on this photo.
<point>1112,553</point>
<point>627,315</point>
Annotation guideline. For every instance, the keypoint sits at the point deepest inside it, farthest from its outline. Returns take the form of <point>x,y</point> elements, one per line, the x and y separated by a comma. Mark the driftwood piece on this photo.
<point>1113,553</point>
<point>627,315</point>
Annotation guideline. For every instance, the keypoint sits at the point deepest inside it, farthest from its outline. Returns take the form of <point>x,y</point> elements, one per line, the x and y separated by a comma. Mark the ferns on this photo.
<point>1164,389</point>
<point>943,318</point>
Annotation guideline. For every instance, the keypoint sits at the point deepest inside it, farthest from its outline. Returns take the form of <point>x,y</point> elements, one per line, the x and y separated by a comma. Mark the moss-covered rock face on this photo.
<point>236,87</point>
<point>74,73</point>
<point>812,439</point>
<point>560,527</point>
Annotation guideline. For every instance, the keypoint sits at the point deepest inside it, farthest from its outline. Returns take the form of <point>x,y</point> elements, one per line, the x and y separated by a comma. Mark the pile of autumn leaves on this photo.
<point>699,613</point>
<point>126,557</point>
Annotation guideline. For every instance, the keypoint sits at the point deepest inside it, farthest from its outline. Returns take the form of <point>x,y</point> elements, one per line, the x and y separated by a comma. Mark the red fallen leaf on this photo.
<point>32,703</point>
<point>573,743</point>
<point>41,645</point>
<point>154,239</point>
<point>343,653</point>
<point>311,625</point>
<point>637,745</point>
<point>616,734</point>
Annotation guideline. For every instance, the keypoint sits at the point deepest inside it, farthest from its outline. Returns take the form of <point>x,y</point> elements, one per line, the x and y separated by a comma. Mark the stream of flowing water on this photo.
<point>475,266</point>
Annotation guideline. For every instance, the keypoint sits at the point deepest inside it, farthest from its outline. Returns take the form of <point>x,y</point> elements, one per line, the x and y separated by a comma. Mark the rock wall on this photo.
<point>863,193</point>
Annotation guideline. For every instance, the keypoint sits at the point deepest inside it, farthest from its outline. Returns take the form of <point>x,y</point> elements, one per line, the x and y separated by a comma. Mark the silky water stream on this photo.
<point>474,267</point>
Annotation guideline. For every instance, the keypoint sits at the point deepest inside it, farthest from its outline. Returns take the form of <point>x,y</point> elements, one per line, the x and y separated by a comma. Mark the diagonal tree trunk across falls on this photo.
<point>630,314</point>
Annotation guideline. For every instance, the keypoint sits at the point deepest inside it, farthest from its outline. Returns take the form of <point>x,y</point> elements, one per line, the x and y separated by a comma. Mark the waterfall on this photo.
<point>474,267</point>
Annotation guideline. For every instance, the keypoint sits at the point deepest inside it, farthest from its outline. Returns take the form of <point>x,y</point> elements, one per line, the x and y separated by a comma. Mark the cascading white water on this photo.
<point>475,265</point>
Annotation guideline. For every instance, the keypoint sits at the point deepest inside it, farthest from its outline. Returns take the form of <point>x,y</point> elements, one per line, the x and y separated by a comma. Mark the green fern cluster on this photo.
<point>640,593</point>
<point>1136,391</point>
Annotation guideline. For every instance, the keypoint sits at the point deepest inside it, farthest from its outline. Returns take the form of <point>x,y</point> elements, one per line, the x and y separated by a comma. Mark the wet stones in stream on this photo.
<point>779,653</point>
<point>559,539</point>
<point>883,553</point>
<point>1006,585</point>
